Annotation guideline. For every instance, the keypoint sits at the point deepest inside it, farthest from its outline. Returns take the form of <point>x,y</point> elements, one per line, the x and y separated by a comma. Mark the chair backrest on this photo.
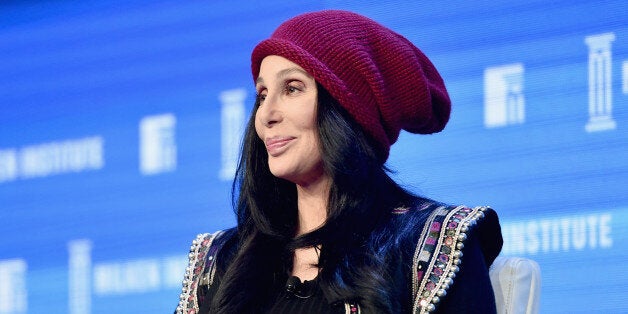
<point>517,285</point>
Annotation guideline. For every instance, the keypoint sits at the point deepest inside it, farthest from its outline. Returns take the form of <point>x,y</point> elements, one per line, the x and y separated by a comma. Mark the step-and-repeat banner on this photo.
<point>120,125</point>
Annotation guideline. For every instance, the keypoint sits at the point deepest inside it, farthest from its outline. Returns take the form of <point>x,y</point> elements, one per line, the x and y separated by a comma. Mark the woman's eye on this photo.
<point>293,87</point>
<point>261,97</point>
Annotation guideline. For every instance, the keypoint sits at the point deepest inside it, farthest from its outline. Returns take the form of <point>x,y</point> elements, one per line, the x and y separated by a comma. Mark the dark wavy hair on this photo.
<point>355,242</point>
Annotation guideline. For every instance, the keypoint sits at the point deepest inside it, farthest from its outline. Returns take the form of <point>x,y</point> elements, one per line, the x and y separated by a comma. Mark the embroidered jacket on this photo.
<point>449,256</point>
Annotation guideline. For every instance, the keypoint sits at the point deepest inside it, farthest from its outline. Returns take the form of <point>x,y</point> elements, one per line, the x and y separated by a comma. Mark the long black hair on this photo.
<point>354,241</point>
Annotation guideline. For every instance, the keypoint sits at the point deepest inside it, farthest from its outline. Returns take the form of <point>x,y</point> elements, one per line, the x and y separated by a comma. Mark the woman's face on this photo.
<point>286,120</point>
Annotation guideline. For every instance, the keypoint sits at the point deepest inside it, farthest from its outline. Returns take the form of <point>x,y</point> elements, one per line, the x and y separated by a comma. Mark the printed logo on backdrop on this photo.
<point>600,83</point>
<point>52,158</point>
<point>158,147</point>
<point>115,278</point>
<point>13,294</point>
<point>625,77</point>
<point>8,165</point>
<point>558,234</point>
<point>79,280</point>
<point>232,119</point>
<point>504,102</point>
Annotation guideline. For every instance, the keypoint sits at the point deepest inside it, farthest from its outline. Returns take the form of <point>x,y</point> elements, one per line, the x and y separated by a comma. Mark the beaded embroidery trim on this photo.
<point>188,303</point>
<point>438,254</point>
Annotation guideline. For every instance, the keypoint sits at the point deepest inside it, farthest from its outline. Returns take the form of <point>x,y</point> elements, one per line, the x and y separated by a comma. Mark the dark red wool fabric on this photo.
<point>378,76</point>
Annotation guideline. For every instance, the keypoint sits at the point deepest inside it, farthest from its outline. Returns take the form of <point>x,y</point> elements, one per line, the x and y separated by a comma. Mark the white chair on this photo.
<point>517,285</point>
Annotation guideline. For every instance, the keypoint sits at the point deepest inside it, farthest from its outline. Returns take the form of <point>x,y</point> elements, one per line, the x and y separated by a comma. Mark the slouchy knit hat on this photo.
<point>378,76</point>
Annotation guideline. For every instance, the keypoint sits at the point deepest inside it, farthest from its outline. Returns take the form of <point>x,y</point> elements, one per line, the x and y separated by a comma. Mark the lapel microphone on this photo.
<point>294,288</point>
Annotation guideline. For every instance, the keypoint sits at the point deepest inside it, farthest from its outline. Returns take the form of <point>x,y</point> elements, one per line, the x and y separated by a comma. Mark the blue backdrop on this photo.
<point>120,126</point>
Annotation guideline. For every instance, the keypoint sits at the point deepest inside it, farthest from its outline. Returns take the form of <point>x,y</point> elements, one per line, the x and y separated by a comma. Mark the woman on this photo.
<point>322,228</point>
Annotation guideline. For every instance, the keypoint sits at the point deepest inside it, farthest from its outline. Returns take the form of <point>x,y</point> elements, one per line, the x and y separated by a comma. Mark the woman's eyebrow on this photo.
<point>283,73</point>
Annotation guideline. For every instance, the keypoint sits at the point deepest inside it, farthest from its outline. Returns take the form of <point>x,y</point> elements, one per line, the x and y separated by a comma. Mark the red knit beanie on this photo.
<point>384,82</point>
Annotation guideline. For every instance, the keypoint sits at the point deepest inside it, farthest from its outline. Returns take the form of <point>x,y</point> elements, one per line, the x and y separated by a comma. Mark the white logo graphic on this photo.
<point>625,77</point>
<point>8,165</point>
<point>13,296</point>
<point>232,126</point>
<point>85,278</point>
<point>600,83</point>
<point>80,264</point>
<point>61,157</point>
<point>52,158</point>
<point>132,276</point>
<point>158,148</point>
<point>504,103</point>
<point>558,234</point>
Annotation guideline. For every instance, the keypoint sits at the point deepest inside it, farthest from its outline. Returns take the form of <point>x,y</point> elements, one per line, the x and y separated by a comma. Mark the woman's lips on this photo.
<point>277,145</point>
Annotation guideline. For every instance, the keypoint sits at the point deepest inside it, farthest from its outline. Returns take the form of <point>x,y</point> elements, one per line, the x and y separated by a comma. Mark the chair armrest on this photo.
<point>516,282</point>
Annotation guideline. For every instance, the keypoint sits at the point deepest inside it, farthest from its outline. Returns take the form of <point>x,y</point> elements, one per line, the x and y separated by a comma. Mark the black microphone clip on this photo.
<point>294,287</point>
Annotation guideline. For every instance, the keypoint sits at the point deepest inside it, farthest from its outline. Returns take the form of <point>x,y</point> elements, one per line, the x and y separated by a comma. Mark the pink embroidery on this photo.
<point>438,271</point>
<point>449,241</point>
<point>430,286</point>
<point>435,226</point>
<point>430,241</point>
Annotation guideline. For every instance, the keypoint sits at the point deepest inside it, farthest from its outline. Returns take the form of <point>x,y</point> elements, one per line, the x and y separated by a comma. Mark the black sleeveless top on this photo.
<point>303,297</point>
<point>294,297</point>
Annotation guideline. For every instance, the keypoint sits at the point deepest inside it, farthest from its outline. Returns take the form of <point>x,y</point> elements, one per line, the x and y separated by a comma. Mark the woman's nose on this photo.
<point>269,111</point>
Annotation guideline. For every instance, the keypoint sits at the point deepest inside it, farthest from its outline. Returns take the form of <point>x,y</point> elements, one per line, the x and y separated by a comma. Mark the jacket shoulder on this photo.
<point>201,268</point>
<point>438,251</point>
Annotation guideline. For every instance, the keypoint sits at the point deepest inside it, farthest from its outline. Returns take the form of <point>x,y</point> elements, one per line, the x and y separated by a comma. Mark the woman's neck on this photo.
<point>312,204</point>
